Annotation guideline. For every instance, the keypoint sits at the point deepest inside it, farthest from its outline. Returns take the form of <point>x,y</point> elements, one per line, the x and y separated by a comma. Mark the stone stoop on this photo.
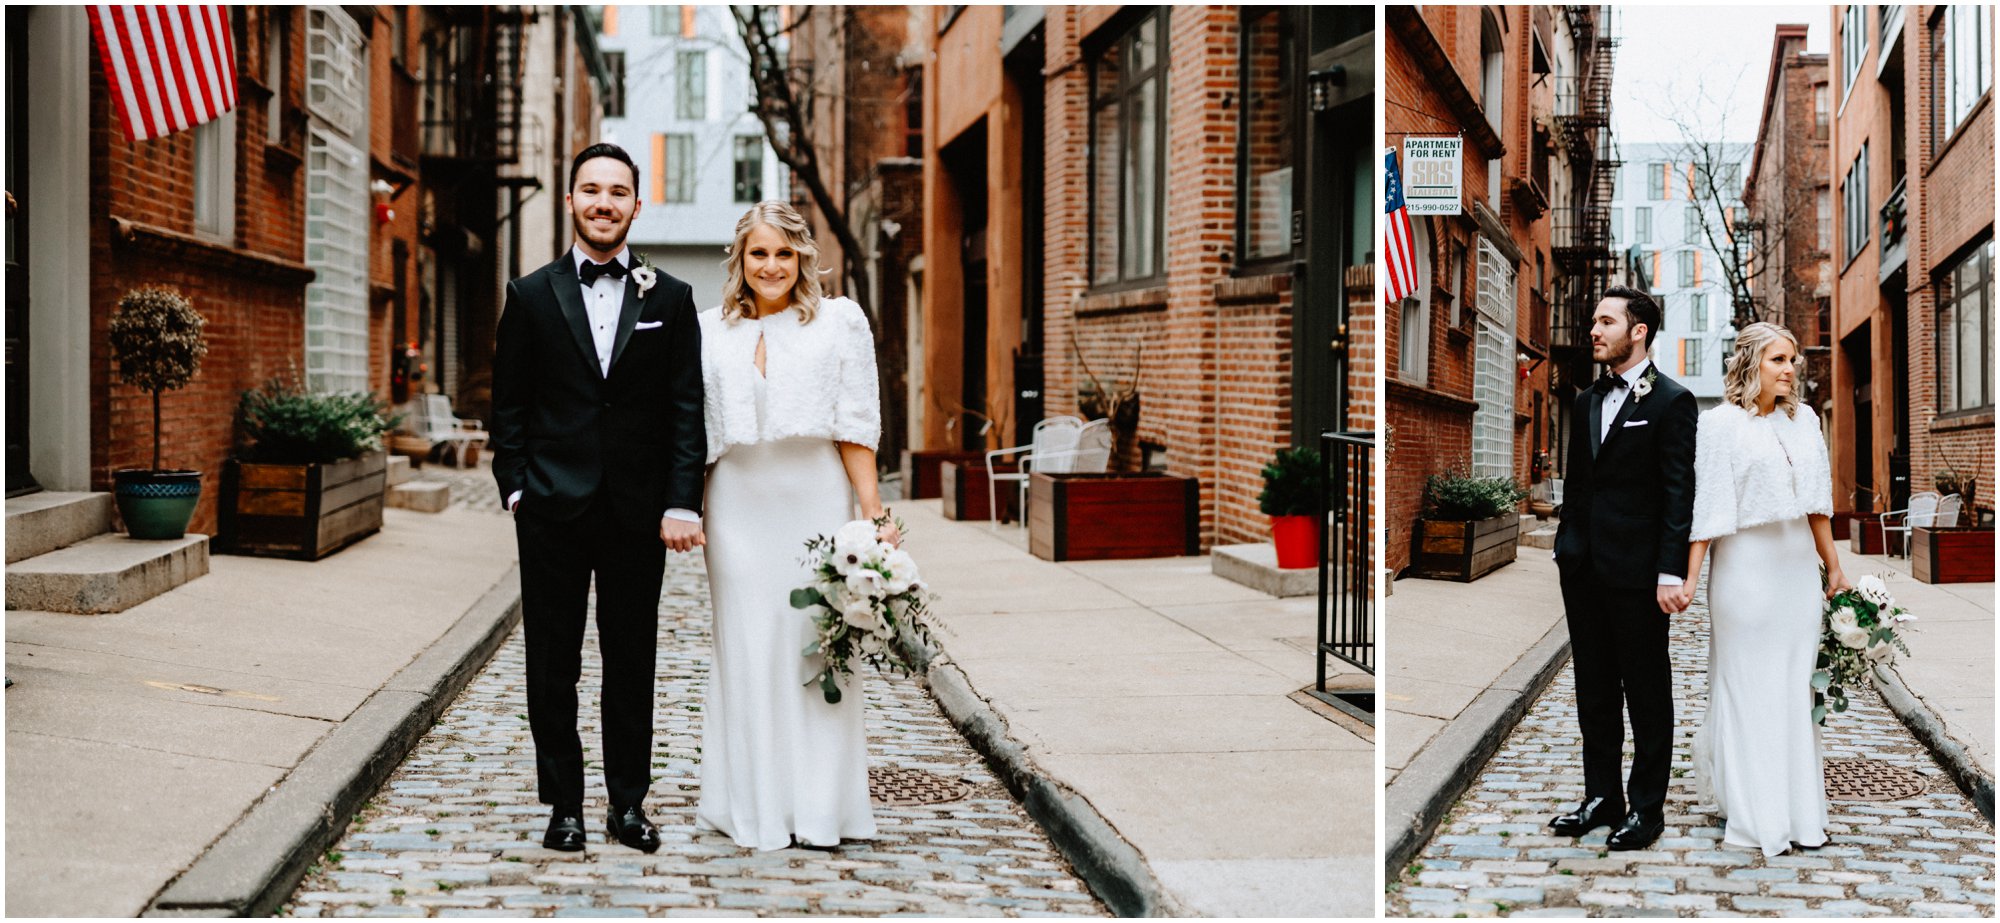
<point>39,523</point>
<point>422,496</point>
<point>1538,533</point>
<point>1256,566</point>
<point>108,573</point>
<point>398,469</point>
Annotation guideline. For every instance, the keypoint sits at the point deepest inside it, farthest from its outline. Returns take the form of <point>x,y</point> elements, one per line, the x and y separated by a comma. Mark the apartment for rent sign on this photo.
<point>1432,174</point>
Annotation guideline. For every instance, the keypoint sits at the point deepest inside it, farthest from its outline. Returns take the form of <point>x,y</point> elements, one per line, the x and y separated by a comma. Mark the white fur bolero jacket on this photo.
<point>1750,470</point>
<point>819,377</point>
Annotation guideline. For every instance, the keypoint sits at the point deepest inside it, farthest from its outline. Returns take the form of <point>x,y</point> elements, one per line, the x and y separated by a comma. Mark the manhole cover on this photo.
<point>1858,779</point>
<point>897,785</point>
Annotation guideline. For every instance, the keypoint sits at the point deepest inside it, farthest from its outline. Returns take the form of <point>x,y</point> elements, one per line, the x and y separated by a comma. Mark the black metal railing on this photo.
<point>1346,567</point>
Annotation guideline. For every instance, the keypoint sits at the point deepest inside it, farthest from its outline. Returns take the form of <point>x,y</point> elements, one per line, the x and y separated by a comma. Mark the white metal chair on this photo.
<point>1088,453</point>
<point>432,419</point>
<point>1924,510</point>
<point>1051,435</point>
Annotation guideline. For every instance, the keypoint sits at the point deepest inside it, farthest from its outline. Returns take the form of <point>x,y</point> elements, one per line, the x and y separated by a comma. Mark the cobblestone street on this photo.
<point>1926,854</point>
<point>456,831</point>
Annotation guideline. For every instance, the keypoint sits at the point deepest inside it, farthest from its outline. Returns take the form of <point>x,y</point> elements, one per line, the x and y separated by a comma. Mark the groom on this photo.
<point>1628,502</point>
<point>599,445</point>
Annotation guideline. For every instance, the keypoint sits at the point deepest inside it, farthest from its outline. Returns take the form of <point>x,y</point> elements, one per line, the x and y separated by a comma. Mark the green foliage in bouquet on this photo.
<point>283,423</point>
<point>157,342</point>
<point>1292,483</point>
<point>866,600</point>
<point>1459,497</point>
<point>1859,632</point>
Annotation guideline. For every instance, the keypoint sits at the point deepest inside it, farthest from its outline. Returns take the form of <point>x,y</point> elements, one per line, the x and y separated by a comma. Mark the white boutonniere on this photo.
<point>1644,385</point>
<point>643,273</point>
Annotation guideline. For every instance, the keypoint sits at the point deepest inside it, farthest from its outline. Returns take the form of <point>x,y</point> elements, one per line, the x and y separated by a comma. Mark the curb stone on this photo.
<point>1425,790</point>
<point>1113,868</point>
<point>1931,731</point>
<point>254,866</point>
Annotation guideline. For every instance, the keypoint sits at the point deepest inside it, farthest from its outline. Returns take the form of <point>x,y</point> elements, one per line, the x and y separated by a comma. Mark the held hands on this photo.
<point>681,535</point>
<point>1673,599</point>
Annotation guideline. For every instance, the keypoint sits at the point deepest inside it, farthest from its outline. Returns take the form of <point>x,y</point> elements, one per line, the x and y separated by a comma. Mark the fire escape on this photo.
<point>1580,235</point>
<point>472,85</point>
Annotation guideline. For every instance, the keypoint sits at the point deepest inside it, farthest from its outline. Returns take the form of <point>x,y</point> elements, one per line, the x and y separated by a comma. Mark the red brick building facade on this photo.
<point>1784,191</point>
<point>1912,172</point>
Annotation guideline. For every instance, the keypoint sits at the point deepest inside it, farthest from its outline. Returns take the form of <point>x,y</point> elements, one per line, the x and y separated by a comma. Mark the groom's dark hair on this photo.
<point>1640,308</point>
<point>604,149</point>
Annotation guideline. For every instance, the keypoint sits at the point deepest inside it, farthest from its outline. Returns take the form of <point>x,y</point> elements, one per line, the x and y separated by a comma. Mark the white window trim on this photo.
<point>215,178</point>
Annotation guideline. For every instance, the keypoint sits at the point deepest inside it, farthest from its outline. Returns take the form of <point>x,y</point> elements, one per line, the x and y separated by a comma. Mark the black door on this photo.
<point>19,480</point>
<point>1332,224</point>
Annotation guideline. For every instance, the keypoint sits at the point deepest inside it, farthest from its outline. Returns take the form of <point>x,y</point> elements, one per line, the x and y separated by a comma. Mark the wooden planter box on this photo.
<point>1956,555</point>
<point>923,477</point>
<point>1845,523</point>
<point>1465,551</point>
<point>1086,517</point>
<point>301,511</point>
<point>1866,537</point>
<point>964,491</point>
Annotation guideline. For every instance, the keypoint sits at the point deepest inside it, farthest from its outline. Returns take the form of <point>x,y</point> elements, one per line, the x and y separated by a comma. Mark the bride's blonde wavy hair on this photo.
<point>1741,383</point>
<point>738,301</point>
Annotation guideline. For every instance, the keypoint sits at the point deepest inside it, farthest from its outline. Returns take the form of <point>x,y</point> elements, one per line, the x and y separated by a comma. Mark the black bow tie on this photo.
<point>589,272</point>
<point>1606,383</point>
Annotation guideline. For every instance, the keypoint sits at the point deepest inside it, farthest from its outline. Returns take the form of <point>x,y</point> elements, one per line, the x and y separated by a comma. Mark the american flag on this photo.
<point>1400,254</point>
<point>169,67</point>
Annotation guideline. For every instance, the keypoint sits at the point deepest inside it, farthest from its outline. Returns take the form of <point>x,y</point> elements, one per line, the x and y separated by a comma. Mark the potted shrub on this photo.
<point>156,339</point>
<point>1470,527</point>
<point>310,477</point>
<point>1292,484</point>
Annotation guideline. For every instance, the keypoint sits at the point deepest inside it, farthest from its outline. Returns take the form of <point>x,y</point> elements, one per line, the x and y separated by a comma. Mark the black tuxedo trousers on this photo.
<point>558,559</point>
<point>1618,650</point>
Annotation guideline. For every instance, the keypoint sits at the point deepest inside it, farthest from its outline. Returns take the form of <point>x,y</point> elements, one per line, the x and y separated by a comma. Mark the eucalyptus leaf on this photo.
<point>1820,680</point>
<point>1819,714</point>
<point>806,598</point>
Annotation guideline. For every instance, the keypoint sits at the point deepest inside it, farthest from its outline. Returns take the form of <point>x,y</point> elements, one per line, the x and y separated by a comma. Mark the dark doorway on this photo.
<point>1332,221</point>
<point>965,163</point>
<point>1024,69</point>
<point>1859,359</point>
<point>19,479</point>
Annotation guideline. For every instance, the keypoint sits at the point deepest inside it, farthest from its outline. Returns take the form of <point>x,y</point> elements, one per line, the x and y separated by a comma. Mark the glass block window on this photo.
<point>337,223</point>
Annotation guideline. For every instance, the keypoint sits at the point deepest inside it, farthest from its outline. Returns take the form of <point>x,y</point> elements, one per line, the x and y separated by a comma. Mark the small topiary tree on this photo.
<point>1292,483</point>
<point>157,341</point>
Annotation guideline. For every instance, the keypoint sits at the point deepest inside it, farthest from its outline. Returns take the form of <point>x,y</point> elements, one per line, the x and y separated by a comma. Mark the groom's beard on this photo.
<point>608,243</point>
<point>1615,357</point>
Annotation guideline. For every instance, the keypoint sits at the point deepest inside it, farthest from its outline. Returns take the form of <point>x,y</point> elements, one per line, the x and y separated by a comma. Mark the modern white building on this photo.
<point>1652,210</point>
<point>680,103</point>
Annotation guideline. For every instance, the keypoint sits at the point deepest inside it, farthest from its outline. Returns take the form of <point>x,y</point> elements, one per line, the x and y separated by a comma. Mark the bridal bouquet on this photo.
<point>863,592</point>
<point>1859,632</point>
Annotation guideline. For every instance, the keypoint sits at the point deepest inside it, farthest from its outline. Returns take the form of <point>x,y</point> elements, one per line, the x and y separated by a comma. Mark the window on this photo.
<point>336,87</point>
<point>1699,303</point>
<point>666,20</point>
<point>1414,334</point>
<point>337,249</point>
<point>1853,45</point>
<point>1656,180</point>
<point>1965,332</point>
<point>1966,57</point>
<point>614,92</point>
<point>691,85</point>
<point>1691,358</point>
<point>749,169</point>
<point>1494,366</point>
<point>1693,224</point>
<point>215,178</point>
<point>1819,112</point>
<point>1732,180</point>
<point>1642,225</point>
<point>1128,154</point>
<point>1492,72</point>
<point>1264,172</point>
<point>1823,202</point>
<point>1855,226</point>
<point>275,31</point>
<point>1687,260</point>
<point>679,168</point>
<point>1617,227</point>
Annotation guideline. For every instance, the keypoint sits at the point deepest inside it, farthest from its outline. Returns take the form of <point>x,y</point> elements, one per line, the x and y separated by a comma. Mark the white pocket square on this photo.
<point>1637,422</point>
<point>649,325</point>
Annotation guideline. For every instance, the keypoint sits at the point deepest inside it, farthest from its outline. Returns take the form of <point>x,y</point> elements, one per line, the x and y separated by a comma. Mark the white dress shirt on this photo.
<point>603,300</point>
<point>1615,398</point>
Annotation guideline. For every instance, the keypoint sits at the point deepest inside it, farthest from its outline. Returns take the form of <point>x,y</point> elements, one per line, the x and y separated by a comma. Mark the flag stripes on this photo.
<point>1400,251</point>
<point>169,68</point>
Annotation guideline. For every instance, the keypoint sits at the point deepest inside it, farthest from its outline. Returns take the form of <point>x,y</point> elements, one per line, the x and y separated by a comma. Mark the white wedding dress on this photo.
<point>777,761</point>
<point>1757,753</point>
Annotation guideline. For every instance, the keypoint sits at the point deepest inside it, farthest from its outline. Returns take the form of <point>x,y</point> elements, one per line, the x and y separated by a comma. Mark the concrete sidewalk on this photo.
<point>1164,697</point>
<point>1950,667</point>
<point>141,741</point>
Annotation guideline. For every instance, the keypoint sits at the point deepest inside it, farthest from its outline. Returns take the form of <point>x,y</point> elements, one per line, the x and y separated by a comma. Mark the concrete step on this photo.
<point>109,573</point>
<point>1256,566</point>
<point>398,469</point>
<point>39,523</point>
<point>1544,537</point>
<point>422,496</point>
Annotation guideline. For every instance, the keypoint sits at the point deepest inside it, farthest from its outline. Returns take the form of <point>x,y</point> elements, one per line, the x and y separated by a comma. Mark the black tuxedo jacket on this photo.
<point>563,432</point>
<point>1629,502</point>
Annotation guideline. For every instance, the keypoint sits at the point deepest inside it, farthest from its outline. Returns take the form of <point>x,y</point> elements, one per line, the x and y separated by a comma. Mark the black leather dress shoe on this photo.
<point>630,827</point>
<point>1592,814</point>
<point>565,828</point>
<point>1638,831</point>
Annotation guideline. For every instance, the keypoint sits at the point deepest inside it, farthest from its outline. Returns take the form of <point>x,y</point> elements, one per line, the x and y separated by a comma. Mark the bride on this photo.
<point>1763,497</point>
<point>793,419</point>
